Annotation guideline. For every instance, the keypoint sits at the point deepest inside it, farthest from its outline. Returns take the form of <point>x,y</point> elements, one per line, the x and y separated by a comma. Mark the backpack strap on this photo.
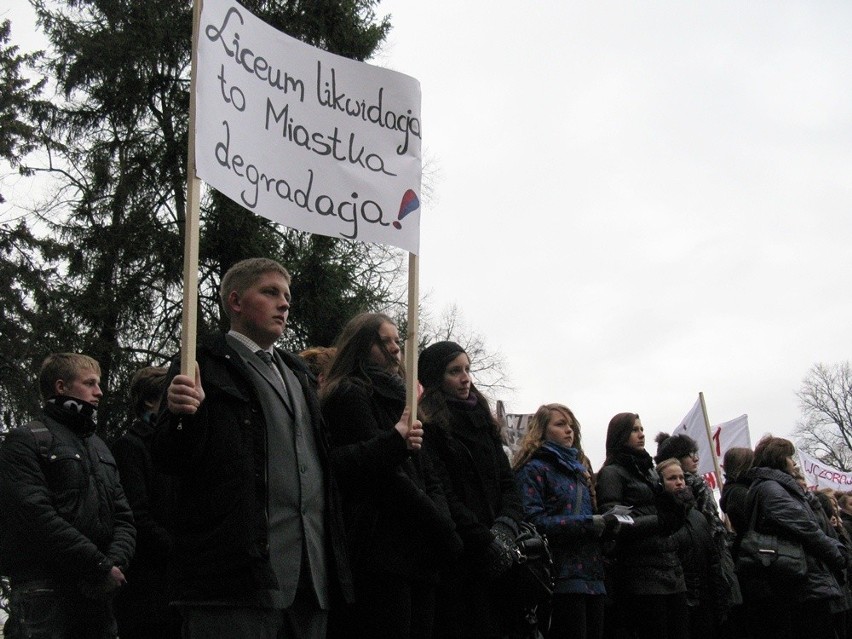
<point>44,438</point>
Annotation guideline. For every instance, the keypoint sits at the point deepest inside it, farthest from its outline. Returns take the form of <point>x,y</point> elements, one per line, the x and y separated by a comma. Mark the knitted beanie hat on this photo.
<point>676,446</point>
<point>433,362</point>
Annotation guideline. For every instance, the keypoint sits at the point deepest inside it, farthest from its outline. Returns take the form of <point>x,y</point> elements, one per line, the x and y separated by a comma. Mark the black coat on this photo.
<point>846,518</point>
<point>482,485</point>
<point>480,488</point>
<point>645,560</point>
<point>699,556</point>
<point>63,515</point>
<point>783,509</point>
<point>395,512</point>
<point>219,453</point>
<point>143,602</point>
<point>734,503</point>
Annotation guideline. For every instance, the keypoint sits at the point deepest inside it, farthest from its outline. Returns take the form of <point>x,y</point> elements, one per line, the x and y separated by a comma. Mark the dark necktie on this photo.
<point>266,356</point>
<point>267,359</point>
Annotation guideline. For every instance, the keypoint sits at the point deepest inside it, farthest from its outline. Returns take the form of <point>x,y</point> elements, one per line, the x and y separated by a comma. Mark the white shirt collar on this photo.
<point>249,343</point>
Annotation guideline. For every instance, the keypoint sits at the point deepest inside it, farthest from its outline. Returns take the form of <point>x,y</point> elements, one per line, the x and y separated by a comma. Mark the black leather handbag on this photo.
<point>768,556</point>
<point>531,574</point>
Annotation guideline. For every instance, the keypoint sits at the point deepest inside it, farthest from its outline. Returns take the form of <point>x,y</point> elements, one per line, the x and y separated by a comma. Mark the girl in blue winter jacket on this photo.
<point>557,488</point>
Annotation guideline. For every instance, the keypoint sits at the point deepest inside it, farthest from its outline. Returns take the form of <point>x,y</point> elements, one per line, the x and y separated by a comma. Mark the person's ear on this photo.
<point>234,302</point>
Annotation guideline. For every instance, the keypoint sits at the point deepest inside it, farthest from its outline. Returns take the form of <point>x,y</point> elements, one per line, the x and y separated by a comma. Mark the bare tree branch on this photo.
<point>825,430</point>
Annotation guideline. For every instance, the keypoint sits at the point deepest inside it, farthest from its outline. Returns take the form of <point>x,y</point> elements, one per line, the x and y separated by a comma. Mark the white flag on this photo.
<point>723,436</point>
<point>693,424</point>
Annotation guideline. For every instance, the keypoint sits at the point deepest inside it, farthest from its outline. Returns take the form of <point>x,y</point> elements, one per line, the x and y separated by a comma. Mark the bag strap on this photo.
<point>754,504</point>
<point>42,436</point>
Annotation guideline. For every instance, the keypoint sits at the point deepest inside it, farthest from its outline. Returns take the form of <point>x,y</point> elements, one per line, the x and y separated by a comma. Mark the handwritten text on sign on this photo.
<point>303,137</point>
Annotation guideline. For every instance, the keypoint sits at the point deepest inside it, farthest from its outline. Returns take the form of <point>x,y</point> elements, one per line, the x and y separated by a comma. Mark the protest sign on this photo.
<point>516,426</point>
<point>303,137</point>
<point>820,475</point>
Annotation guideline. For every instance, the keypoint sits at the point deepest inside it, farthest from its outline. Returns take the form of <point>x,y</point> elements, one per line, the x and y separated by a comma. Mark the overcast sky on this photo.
<point>640,201</point>
<point>635,202</point>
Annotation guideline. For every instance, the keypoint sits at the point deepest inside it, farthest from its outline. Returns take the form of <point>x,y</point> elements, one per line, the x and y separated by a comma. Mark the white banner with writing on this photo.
<point>723,436</point>
<point>306,138</point>
<point>820,475</point>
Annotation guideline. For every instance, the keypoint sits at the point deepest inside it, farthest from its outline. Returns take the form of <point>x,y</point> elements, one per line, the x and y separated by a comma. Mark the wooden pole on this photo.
<point>189,325</point>
<point>413,336</point>
<point>710,441</point>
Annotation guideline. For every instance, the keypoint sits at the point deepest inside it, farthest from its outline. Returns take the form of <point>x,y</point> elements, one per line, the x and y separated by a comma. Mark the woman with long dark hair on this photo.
<point>737,462</point>
<point>398,525</point>
<point>646,574</point>
<point>461,431</point>
<point>557,488</point>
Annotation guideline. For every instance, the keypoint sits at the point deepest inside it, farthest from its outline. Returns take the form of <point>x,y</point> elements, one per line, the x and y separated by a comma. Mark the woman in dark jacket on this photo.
<point>397,522</point>
<point>828,515</point>
<point>557,488</point>
<point>462,432</point>
<point>780,506</point>
<point>737,463</point>
<point>646,575</point>
<point>699,555</point>
<point>685,449</point>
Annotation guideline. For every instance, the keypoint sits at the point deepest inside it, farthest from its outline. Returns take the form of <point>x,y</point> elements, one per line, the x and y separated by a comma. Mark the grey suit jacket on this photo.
<point>295,480</point>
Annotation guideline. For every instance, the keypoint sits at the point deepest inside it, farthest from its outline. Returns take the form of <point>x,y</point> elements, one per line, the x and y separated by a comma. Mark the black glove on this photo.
<point>502,551</point>
<point>606,526</point>
<point>612,524</point>
<point>684,496</point>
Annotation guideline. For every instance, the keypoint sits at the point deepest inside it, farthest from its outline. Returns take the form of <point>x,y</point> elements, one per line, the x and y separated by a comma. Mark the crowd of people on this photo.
<point>271,495</point>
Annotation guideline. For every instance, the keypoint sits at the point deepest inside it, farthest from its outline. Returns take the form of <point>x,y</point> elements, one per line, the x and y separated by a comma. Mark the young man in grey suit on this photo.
<point>259,547</point>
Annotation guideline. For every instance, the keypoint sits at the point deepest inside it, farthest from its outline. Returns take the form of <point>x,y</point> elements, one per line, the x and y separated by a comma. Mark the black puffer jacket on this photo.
<point>63,515</point>
<point>395,512</point>
<point>221,532</point>
<point>646,561</point>
<point>699,556</point>
<point>783,509</point>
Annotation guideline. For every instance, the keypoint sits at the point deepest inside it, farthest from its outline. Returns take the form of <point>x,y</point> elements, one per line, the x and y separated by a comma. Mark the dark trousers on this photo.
<point>780,618</point>
<point>42,610</point>
<point>703,621</point>
<point>575,616</point>
<point>655,616</point>
<point>142,611</point>
<point>303,620</point>
<point>388,607</point>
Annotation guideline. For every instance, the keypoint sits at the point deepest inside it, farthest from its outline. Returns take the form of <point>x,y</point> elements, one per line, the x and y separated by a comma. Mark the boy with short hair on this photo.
<point>259,545</point>
<point>66,529</point>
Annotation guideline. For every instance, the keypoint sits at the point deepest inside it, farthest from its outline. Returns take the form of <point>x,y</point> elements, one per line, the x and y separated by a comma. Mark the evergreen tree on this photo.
<point>116,134</point>
<point>18,95</point>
